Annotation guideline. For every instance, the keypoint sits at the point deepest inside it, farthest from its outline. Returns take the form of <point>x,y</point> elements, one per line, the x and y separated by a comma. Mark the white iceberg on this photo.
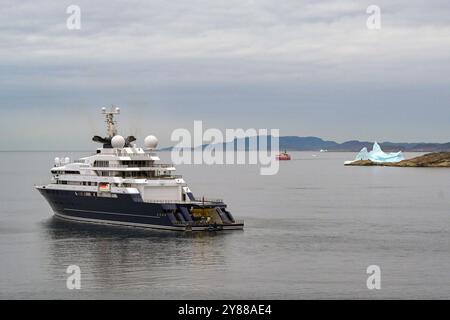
<point>378,155</point>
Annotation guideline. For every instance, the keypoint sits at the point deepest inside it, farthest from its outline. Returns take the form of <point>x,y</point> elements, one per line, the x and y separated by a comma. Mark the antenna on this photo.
<point>110,122</point>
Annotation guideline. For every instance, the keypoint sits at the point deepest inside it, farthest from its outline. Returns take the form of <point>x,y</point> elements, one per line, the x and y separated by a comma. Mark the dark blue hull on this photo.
<point>126,209</point>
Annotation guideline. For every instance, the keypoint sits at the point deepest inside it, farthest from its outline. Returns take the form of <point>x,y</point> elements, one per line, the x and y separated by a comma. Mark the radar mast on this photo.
<point>110,122</point>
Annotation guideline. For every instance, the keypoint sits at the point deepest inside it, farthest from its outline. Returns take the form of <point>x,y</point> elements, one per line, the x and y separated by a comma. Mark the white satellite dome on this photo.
<point>151,142</point>
<point>57,161</point>
<point>66,160</point>
<point>118,142</point>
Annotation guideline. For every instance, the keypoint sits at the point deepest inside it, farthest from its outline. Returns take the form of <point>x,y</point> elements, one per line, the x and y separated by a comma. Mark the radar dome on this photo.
<point>118,142</point>
<point>66,160</point>
<point>151,142</point>
<point>57,161</point>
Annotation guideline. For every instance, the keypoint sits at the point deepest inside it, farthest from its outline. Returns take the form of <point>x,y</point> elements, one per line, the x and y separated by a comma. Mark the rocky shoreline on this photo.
<point>430,160</point>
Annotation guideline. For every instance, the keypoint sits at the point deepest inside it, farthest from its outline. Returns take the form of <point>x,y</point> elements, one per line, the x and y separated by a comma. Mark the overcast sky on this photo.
<point>305,67</point>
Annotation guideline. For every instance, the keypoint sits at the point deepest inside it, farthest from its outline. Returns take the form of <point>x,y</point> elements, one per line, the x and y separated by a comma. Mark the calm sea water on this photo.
<point>311,232</point>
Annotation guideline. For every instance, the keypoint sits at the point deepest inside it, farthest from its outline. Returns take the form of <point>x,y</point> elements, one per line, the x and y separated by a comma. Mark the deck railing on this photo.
<point>184,202</point>
<point>204,223</point>
<point>133,166</point>
<point>166,201</point>
<point>204,199</point>
<point>135,155</point>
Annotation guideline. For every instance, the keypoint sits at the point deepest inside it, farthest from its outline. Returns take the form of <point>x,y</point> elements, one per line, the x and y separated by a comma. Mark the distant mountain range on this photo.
<point>294,143</point>
<point>314,143</point>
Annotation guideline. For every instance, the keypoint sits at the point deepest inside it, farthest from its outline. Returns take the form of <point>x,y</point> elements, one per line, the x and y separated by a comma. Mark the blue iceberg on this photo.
<point>378,155</point>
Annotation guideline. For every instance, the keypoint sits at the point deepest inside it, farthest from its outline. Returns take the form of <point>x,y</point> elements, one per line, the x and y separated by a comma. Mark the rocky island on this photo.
<point>430,160</point>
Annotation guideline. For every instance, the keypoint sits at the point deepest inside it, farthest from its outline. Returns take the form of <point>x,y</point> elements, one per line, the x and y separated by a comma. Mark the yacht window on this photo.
<point>101,163</point>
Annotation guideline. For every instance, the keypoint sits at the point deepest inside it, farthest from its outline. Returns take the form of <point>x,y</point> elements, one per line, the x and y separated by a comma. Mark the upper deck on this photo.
<point>119,156</point>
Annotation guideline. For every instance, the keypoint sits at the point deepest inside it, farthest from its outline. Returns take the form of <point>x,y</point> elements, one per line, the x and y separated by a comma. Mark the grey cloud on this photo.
<point>307,58</point>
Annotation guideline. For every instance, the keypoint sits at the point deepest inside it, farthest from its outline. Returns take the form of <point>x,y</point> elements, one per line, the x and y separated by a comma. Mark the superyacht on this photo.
<point>123,184</point>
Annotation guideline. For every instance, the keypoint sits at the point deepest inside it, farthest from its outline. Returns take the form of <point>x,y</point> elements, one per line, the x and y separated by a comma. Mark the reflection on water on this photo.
<point>115,256</point>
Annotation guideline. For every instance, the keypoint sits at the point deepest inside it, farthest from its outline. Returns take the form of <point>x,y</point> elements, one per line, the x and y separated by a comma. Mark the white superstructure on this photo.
<point>121,169</point>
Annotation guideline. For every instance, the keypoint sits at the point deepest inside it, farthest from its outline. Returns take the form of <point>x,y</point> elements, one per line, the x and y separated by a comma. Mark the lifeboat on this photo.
<point>283,156</point>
